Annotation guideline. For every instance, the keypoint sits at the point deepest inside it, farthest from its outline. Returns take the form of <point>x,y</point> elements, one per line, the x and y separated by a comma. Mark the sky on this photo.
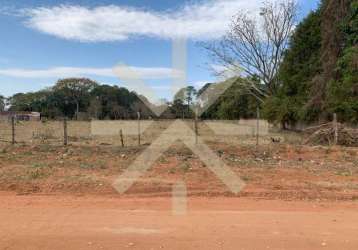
<point>44,40</point>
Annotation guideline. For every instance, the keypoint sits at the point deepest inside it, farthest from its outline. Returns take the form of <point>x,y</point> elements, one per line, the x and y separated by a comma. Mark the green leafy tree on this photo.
<point>300,65</point>
<point>178,108</point>
<point>343,93</point>
<point>112,102</point>
<point>69,96</point>
<point>234,103</point>
<point>76,90</point>
<point>187,95</point>
<point>318,76</point>
<point>190,93</point>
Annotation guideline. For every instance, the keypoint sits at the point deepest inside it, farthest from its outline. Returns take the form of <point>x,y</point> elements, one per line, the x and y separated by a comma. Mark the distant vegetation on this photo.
<point>80,96</point>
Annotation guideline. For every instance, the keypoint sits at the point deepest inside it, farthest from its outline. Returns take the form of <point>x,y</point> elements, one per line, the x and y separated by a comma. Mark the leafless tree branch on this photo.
<point>255,45</point>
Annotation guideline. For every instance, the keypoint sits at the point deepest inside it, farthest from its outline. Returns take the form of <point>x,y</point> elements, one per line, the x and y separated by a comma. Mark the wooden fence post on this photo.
<point>121,135</point>
<point>138,113</point>
<point>13,130</point>
<point>65,137</point>
<point>335,127</point>
<point>257,125</point>
<point>196,126</point>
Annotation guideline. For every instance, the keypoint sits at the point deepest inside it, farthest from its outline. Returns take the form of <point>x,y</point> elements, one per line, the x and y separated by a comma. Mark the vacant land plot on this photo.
<point>278,171</point>
<point>296,196</point>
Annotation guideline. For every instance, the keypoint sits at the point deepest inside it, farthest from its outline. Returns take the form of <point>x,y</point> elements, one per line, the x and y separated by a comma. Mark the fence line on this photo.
<point>121,132</point>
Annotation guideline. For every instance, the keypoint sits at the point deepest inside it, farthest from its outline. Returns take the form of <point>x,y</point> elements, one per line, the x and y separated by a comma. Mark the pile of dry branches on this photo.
<point>330,134</point>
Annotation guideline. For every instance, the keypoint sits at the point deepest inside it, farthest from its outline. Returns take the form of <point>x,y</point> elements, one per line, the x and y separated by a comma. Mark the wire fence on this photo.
<point>119,132</point>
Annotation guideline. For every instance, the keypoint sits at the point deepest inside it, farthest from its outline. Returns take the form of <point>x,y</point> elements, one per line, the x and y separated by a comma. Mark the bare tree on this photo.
<point>255,46</point>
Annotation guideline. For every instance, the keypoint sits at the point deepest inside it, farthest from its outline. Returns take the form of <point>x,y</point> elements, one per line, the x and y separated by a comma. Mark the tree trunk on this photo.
<point>188,108</point>
<point>77,109</point>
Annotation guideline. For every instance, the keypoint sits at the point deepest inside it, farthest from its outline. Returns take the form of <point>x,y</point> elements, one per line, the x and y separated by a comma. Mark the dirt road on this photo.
<point>109,222</point>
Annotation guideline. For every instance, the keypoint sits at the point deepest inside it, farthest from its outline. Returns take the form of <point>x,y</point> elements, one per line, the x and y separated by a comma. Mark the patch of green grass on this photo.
<point>39,165</point>
<point>100,164</point>
<point>86,165</point>
<point>27,153</point>
<point>172,171</point>
<point>246,178</point>
<point>81,179</point>
<point>185,167</point>
<point>3,150</point>
<point>163,159</point>
<point>34,174</point>
<point>45,148</point>
<point>343,173</point>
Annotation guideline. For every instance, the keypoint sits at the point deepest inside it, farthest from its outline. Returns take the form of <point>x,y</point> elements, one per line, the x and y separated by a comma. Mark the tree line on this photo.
<point>83,98</point>
<point>80,98</point>
<point>319,72</point>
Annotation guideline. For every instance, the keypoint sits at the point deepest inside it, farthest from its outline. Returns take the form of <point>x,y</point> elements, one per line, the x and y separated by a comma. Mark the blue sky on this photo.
<point>45,40</point>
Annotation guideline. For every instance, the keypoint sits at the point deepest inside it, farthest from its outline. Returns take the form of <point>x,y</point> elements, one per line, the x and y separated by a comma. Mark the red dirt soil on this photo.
<point>112,222</point>
<point>283,172</point>
<point>296,197</point>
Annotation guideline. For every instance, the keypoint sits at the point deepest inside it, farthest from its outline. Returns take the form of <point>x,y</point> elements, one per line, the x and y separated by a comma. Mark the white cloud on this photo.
<point>62,72</point>
<point>201,21</point>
